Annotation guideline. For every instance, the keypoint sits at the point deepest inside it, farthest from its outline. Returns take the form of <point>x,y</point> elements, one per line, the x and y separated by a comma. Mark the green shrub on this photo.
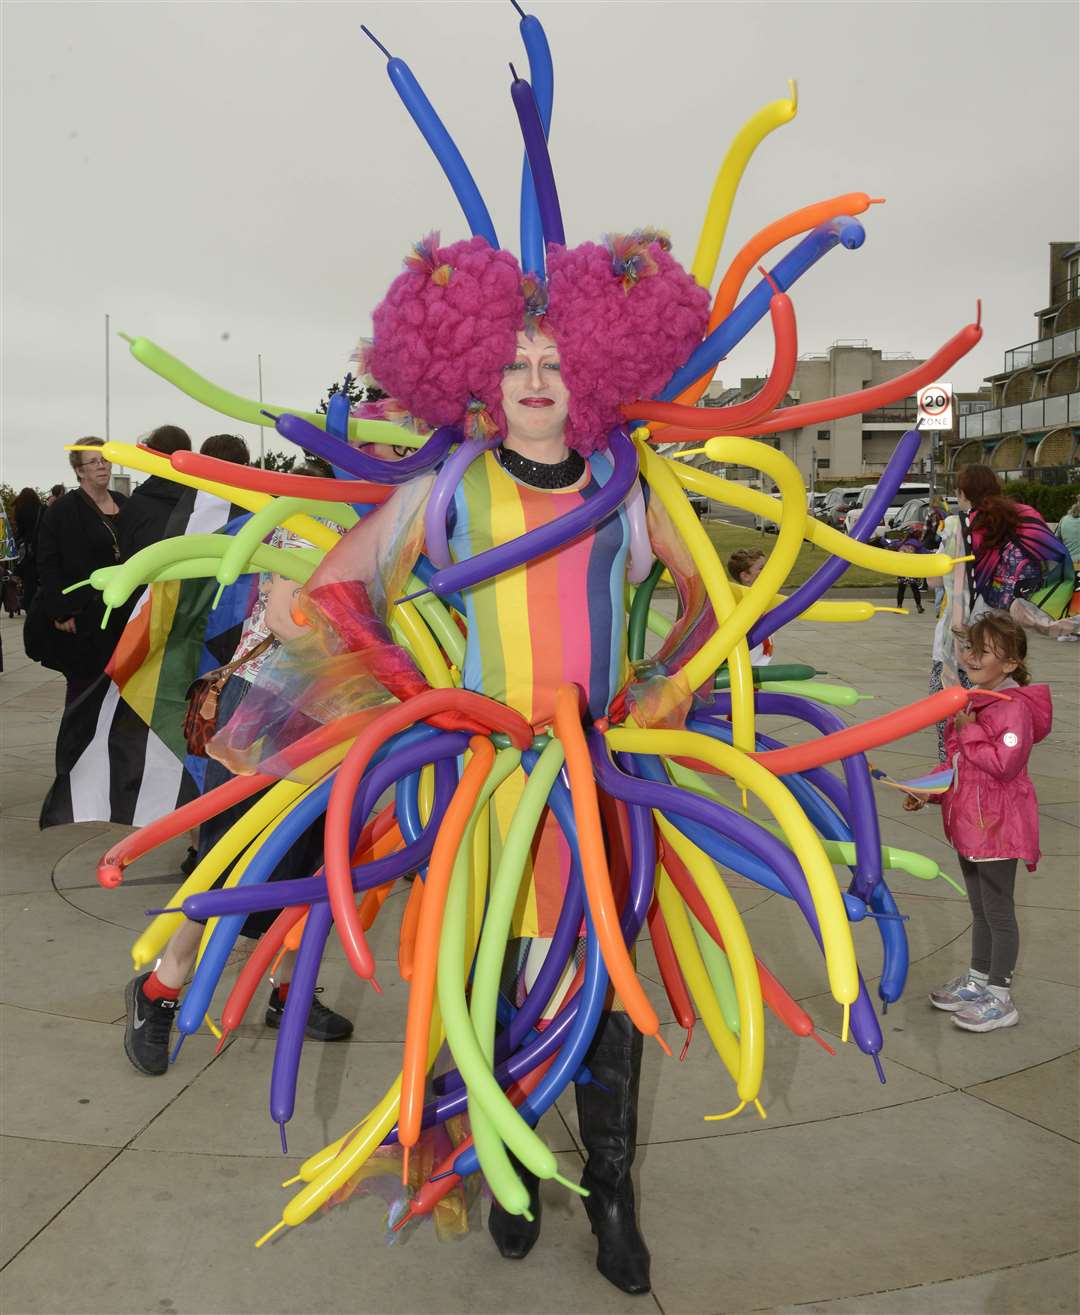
<point>1051,501</point>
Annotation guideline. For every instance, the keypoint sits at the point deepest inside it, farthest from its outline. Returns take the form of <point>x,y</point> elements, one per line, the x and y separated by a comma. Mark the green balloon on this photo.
<point>719,970</point>
<point>251,412</point>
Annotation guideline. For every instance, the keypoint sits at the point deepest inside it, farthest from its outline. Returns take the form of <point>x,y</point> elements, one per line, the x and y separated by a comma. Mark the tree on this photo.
<point>279,461</point>
<point>355,391</point>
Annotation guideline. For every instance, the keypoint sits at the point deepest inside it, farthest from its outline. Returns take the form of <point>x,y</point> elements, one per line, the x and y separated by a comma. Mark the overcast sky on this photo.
<point>230,179</point>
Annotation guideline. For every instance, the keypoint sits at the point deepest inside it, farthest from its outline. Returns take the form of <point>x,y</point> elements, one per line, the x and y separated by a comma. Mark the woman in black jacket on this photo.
<point>79,532</point>
<point>26,522</point>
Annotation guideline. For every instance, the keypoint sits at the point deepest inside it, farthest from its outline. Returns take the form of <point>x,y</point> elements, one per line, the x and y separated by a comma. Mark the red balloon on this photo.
<point>867,735</point>
<point>671,975</point>
<point>110,868</point>
<point>431,704</point>
<point>277,483</point>
<point>868,399</point>
<point>728,419</point>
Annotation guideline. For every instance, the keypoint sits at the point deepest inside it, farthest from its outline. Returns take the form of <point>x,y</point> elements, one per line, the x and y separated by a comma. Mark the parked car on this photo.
<point>900,498</point>
<point>911,516</point>
<point>837,504</point>
<point>769,526</point>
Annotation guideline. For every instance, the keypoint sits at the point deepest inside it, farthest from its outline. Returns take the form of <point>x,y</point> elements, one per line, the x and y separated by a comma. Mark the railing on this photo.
<point>1065,290</point>
<point>891,414</point>
<point>1044,413</point>
<point>1043,351</point>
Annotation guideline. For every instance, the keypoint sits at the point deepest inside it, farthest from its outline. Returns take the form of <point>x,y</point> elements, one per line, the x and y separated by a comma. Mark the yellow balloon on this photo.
<point>822,536</point>
<point>696,974</point>
<point>660,475</point>
<point>747,140</point>
<point>740,957</point>
<point>840,961</point>
<point>337,1171</point>
<point>152,941</point>
<point>827,610</point>
<point>733,627</point>
<point>418,639</point>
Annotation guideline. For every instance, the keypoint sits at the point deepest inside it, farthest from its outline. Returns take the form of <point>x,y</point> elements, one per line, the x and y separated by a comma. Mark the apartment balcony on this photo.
<point>1043,351</point>
<point>1044,413</point>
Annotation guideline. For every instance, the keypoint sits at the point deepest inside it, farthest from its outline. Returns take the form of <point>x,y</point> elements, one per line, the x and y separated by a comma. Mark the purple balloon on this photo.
<point>290,1039</point>
<point>536,148</point>
<point>861,809</point>
<point>553,1036</point>
<point>732,826</point>
<point>546,538</point>
<point>308,890</point>
<point>438,503</point>
<point>359,464</point>
<point>829,572</point>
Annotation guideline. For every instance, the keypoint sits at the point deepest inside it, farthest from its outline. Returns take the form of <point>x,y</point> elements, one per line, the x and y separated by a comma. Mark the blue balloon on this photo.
<point>753,307</point>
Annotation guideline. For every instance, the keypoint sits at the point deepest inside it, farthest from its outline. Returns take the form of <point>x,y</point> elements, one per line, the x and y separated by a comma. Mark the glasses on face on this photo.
<point>95,463</point>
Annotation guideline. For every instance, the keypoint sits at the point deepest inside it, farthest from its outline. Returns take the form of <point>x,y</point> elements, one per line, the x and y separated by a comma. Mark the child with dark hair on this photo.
<point>227,447</point>
<point>991,814</point>
<point>744,566</point>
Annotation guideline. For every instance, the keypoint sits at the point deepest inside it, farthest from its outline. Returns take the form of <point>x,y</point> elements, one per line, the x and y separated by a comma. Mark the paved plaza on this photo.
<point>952,1188</point>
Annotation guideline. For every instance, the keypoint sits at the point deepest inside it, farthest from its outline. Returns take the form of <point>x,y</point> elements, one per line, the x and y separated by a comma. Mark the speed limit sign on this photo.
<point>935,406</point>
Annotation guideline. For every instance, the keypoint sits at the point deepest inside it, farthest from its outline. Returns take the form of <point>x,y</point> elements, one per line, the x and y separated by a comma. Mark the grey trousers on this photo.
<point>995,937</point>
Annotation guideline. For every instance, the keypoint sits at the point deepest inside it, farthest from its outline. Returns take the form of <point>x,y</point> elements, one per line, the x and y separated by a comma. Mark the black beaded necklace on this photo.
<point>541,474</point>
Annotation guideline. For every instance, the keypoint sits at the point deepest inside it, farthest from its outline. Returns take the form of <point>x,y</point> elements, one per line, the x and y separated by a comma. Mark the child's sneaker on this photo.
<point>322,1023</point>
<point>987,1013</point>
<point>146,1034</point>
<point>956,994</point>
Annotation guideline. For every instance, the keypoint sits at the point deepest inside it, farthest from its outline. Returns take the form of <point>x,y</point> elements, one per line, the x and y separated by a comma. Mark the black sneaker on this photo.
<point>191,862</point>
<point>322,1024</point>
<point>149,1023</point>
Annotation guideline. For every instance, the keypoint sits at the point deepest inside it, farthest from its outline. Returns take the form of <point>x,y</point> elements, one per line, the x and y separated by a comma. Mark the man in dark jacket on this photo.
<point>150,508</point>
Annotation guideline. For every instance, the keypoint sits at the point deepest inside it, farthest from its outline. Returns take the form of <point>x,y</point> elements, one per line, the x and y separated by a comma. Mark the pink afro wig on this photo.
<point>446,328</point>
<point>625,315</point>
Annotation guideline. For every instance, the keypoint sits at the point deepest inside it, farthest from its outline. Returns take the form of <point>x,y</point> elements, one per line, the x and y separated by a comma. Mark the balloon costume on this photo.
<point>476,645</point>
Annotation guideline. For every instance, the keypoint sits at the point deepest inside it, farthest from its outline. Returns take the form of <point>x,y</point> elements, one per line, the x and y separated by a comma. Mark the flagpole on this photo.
<point>262,428</point>
<point>107,337</point>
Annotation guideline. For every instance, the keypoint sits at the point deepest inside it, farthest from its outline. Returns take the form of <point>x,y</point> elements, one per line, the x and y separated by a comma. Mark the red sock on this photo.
<point>154,989</point>
<point>282,991</point>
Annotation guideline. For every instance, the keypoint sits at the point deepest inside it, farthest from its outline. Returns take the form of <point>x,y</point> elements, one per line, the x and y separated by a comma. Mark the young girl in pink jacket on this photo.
<point>991,814</point>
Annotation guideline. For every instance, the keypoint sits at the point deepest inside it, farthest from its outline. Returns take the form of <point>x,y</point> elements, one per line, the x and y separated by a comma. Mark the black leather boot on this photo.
<point>513,1234</point>
<point>607,1116</point>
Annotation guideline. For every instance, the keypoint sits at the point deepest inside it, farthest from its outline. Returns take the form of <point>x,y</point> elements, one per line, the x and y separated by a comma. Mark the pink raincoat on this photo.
<point>990,810</point>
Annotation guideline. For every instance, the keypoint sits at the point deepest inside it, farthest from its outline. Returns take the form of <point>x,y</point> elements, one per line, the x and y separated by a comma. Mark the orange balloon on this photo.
<point>799,221</point>
<point>594,864</point>
<point>410,920</point>
<point>429,928</point>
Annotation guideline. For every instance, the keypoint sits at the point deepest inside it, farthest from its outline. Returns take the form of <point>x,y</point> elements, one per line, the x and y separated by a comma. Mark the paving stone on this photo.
<point>925,1038</point>
<point>73,1082</point>
<point>37,1179</point>
<point>1047,1094</point>
<point>208,1210</point>
<point>226,1111</point>
<point>1053,1285</point>
<point>746,1223</point>
<point>29,855</point>
<point>57,960</point>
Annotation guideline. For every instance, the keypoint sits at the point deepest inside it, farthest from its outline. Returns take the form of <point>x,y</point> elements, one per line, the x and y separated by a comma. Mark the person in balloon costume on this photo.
<point>471,695</point>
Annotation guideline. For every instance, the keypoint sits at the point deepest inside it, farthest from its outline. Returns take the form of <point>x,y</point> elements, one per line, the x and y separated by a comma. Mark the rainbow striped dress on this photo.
<point>555,619</point>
